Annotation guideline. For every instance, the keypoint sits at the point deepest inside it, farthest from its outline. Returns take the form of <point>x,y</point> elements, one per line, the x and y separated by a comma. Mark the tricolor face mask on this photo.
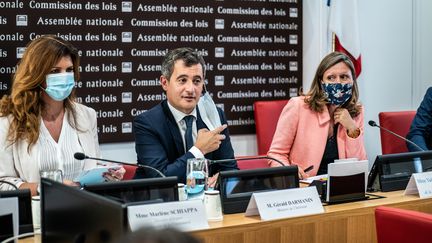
<point>337,93</point>
<point>59,85</point>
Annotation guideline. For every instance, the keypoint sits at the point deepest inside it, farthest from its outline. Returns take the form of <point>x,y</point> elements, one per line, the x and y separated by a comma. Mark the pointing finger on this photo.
<point>220,129</point>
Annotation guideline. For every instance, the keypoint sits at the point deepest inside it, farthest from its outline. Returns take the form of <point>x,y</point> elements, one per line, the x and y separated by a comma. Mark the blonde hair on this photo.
<point>24,104</point>
<point>316,99</point>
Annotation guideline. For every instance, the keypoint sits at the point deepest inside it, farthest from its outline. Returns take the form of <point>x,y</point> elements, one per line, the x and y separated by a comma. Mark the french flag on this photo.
<point>343,22</point>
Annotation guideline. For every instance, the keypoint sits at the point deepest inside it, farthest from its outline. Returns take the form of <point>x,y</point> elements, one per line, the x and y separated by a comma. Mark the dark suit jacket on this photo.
<point>159,144</point>
<point>421,127</point>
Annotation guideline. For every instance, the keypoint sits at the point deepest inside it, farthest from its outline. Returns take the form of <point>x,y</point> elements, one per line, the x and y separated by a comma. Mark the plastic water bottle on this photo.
<point>418,165</point>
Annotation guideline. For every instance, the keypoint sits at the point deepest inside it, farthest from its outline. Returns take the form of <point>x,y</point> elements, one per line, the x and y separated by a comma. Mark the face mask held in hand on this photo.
<point>337,93</point>
<point>59,85</point>
<point>208,112</point>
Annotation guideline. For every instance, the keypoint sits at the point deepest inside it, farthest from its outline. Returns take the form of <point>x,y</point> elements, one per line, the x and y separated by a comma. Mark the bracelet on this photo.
<point>354,134</point>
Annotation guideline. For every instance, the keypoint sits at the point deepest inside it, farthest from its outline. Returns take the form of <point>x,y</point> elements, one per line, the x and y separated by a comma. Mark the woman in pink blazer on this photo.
<point>323,125</point>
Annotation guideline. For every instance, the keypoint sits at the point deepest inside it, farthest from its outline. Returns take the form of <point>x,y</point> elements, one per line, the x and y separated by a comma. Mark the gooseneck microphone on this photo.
<point>246,158</point>
<point>82,156</point>
<point>374,124</point>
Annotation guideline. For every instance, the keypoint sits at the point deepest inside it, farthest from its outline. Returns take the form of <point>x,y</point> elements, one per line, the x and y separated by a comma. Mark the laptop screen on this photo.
<point>237,186</point>
<point>73,215</point>
<point>392,172</point>
<point>161,189</point>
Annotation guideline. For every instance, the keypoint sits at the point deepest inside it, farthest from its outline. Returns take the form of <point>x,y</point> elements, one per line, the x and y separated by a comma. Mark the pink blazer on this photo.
<point>301,136</point>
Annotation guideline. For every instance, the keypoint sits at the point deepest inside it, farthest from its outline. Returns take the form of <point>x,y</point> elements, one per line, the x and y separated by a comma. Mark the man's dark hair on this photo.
<point>189,56</point>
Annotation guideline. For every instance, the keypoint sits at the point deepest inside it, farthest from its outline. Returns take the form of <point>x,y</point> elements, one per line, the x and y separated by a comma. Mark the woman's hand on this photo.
<point>342,116</point>
<point>70,183</point>
<point>302,175</point>
<point>115,174</point>
<point>32,186</point>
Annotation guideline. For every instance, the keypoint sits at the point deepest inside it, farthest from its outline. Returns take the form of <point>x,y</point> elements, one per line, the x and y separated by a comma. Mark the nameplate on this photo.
<point>183,215</point>
<point>285,203</point>
<point>420,183</point>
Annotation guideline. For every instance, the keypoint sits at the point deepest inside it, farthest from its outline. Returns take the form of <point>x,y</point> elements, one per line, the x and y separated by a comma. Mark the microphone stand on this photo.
<point>373,124</point>
<point>82,156</point>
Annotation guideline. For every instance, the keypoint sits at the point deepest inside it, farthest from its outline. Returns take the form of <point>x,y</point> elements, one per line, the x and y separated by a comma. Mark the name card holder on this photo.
<point>285,203</point>
<point>183,215</point>
<point>346,181</point>
<point>420,183</point>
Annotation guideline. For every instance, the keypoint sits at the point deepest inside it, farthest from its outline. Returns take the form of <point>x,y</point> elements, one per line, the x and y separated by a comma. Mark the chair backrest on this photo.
<point>400,225</point>
<point>251,163</point>
<point>266,114</point>
<point>398,122</point>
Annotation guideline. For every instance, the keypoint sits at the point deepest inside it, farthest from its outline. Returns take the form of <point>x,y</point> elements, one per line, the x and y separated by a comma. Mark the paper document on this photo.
<point>314,178</point>
<point>93,176</point>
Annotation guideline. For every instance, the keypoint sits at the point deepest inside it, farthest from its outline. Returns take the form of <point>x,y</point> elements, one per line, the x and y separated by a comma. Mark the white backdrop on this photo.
<point>396,58</point>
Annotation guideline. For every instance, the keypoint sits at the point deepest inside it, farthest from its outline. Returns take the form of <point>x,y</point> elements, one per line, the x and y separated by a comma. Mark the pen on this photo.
<point>309,168</point>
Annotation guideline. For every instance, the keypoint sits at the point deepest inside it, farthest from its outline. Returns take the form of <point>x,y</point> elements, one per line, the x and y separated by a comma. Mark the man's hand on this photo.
<point>211,183</point>
<point>209,141</point>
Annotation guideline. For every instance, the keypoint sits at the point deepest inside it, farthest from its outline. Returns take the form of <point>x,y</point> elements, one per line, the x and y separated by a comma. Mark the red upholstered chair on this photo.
<point>251,163</point>
<point>394,225</point>
<point>130,172</point>
<point>398,122</point>
<point>266,114</point>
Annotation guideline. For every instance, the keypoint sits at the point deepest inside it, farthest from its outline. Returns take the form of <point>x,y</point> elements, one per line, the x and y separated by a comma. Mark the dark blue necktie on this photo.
<point>188,134</point>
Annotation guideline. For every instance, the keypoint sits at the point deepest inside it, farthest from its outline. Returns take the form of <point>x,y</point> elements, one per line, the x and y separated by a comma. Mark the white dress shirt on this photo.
<point>178,117</point>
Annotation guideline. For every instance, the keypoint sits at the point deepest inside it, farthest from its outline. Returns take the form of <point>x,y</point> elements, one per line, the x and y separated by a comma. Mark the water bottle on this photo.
<point>418,165</point>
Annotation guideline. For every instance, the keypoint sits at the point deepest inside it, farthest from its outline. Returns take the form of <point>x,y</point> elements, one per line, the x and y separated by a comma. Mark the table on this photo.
<point>348,222</point>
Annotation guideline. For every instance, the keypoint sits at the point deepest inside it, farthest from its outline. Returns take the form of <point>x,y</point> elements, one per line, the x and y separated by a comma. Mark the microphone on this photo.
<point>82,156</point>
<point>374,124</point>
<point>245,158</point>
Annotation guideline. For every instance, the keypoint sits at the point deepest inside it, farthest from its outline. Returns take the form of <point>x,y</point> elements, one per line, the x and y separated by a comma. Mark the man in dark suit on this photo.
<point>173,131</point>
<point>421,127</point>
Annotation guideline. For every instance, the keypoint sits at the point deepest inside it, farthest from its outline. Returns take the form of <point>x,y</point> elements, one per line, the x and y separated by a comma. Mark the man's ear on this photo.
<point>164,82</point>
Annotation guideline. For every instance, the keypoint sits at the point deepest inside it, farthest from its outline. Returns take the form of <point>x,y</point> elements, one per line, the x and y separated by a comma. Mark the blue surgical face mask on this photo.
<point>59,85</point>
<point>337,93</point>
<point>209,113</point>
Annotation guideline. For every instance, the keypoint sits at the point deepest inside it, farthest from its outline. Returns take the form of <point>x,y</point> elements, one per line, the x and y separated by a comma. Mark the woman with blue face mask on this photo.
<point>325,124</point>
<point>41,125</point>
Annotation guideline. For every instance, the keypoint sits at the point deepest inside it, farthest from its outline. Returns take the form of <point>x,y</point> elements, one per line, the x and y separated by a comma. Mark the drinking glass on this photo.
<point>212,203</point>
<point>36,213</point>
<point>55,175</point>
<point>196,178</point>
